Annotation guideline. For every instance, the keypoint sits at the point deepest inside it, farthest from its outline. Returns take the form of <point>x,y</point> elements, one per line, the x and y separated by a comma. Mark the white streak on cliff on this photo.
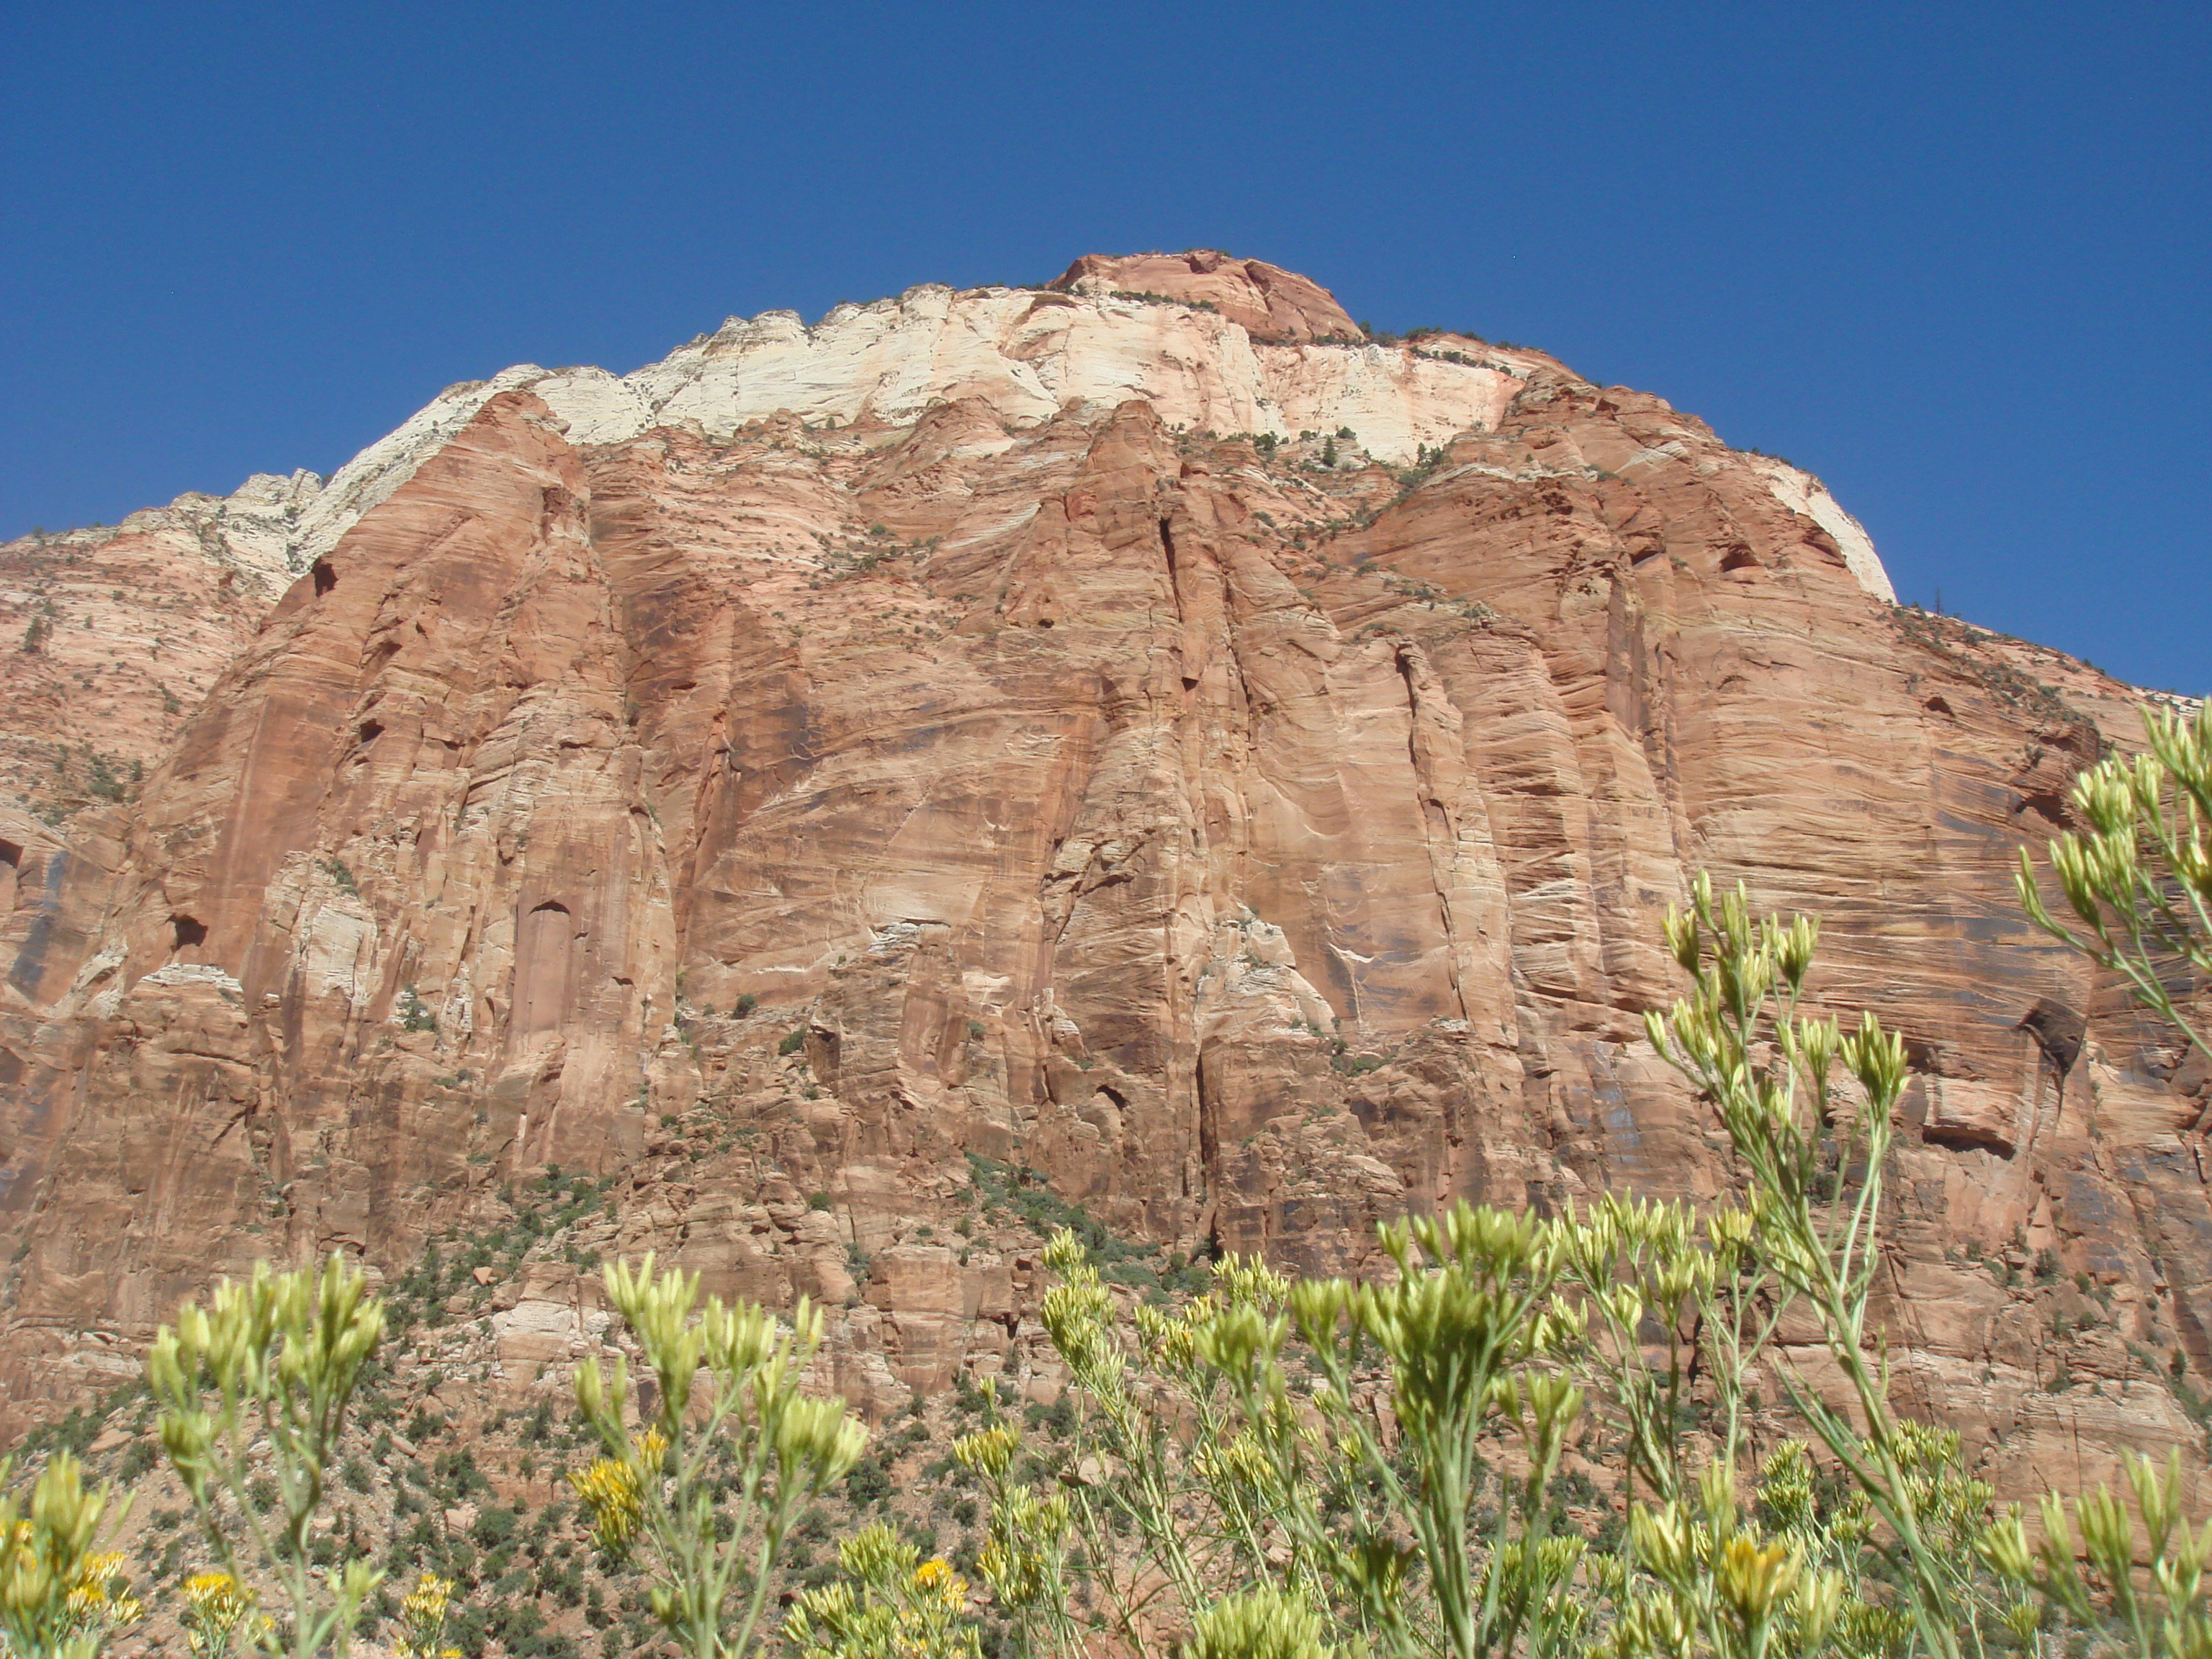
<point>1800,492</point>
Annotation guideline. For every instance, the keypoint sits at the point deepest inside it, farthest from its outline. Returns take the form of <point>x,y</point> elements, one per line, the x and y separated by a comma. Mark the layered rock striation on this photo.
<point>1138,730</point>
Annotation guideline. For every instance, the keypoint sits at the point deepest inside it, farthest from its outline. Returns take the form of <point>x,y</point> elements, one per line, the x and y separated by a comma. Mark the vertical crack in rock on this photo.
<point>1189,655</point>
<point>1441,834</point>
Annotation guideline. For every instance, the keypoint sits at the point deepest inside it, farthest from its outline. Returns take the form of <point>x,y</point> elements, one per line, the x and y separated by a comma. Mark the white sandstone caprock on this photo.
<point>1028,354</point>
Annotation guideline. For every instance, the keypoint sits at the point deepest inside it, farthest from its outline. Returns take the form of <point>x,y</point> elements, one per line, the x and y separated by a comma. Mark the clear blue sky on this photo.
<point>1956,260</point>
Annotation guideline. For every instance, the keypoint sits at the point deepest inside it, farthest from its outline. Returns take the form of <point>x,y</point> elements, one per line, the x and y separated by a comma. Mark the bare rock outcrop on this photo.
<point>973,756</point>
<point>1264,300</point>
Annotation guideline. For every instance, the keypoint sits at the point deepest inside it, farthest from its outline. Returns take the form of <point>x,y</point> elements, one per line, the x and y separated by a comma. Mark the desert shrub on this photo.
<point>254,1391</point>
<point>60,1595</point>
<point>139,1457</point>
<point>867,1484</point>
<point>655,1496</point>
<point>890,1604</point>
<point>493,1528</point>
<point>2138,878</point>
<point>414,1014</point>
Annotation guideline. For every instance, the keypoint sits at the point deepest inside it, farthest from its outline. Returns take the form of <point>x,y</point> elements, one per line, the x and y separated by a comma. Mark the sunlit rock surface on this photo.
<point>982,723</point>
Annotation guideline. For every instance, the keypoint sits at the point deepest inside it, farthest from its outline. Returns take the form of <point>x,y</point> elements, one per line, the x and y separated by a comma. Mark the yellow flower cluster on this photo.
<point>892,1605</point>
<point>56,1589</point>
<point>215,1607</point>
<point>102,1596</point>
<point>424,1614</point>
<point>613,1490</point>
<point>935,1579</point>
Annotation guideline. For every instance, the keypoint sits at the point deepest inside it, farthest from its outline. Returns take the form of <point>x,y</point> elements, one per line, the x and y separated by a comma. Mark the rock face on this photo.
<point>113,634</point>
<point>1267,302</point>
<point>776,775</point>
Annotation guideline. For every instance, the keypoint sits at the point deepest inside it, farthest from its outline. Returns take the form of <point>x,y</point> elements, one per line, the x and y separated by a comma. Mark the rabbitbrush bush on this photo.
<point>652,1495</point>
<point>254,1390</point>
<point>60,1594</point>
<point>2139,879</point>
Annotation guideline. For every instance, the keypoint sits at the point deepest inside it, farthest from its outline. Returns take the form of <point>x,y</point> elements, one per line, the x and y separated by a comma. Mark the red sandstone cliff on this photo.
<point>1256,849</point>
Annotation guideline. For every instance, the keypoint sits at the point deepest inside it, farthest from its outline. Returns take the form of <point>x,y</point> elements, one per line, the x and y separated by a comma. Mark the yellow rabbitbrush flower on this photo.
<point>987,1451</point>
<point>215,1607</point>
<point>2164,1611</point>
<point>1021,1560</point>
<point>102,1597</point>
<point>1754,1577</point>
<point>936,1577</point>
<point>2138,874</point>
<point>613,1490</point>
<point>423,1614</point>
<point>58,1595</point>
<point>1242,1460</point>
<point>1717,1586</point>
<point>891,1604</point>
<point>1258,1624</point>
